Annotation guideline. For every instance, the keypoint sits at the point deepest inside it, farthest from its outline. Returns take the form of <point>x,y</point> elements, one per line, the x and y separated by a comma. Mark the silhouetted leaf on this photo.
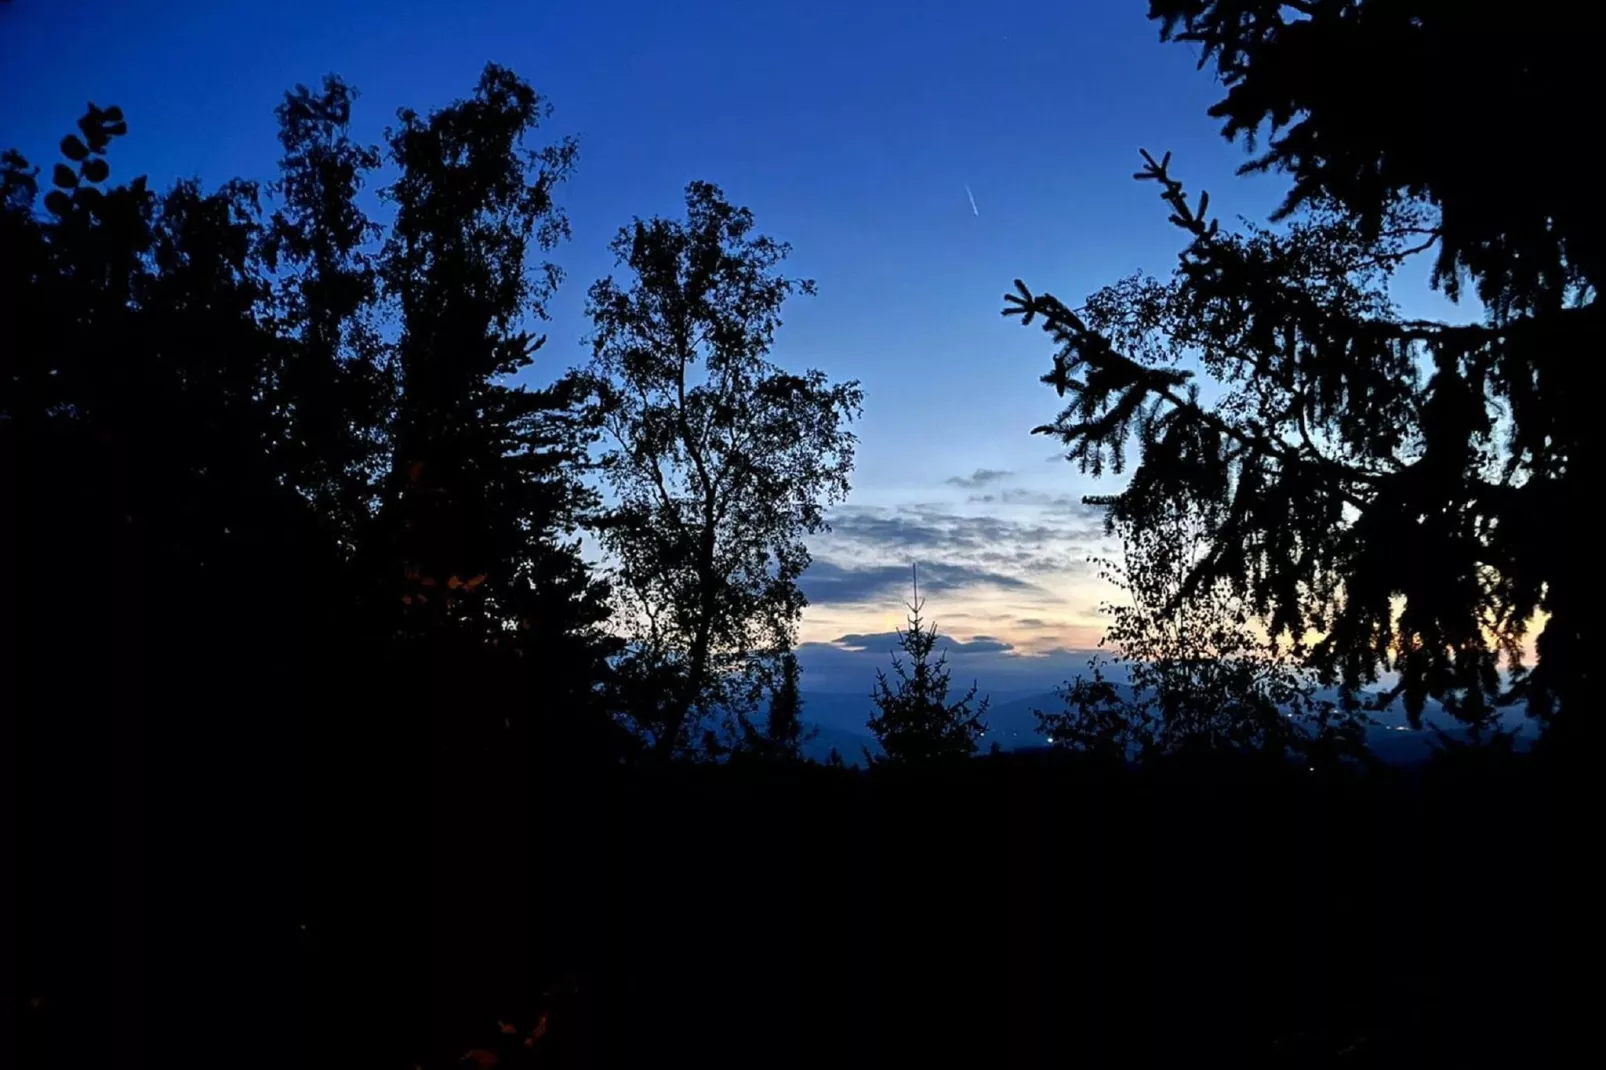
<point>64,176</point>
<point>73,148</point>
<point>96,170</point>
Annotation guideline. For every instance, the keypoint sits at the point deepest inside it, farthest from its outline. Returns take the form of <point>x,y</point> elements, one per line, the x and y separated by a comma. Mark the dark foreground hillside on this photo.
<point>1015,910</point>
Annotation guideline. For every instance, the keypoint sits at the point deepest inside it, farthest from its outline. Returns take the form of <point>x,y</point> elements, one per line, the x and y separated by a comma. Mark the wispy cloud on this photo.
<point>981,477</point>
<point>828,583</point>
<point>1065,505</point>
<point>1054,539</point>
<point>1001,562</point>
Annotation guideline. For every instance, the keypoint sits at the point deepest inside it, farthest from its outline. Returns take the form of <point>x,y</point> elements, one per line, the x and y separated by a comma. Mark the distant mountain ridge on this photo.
<point>850,745</point>
<point>839,720</point>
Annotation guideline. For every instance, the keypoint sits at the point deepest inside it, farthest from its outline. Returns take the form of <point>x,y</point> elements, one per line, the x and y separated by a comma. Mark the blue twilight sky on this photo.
<point>852,130</point>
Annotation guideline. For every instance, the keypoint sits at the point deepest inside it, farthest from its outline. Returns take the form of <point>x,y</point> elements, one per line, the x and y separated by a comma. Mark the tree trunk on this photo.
<point>706,590</point>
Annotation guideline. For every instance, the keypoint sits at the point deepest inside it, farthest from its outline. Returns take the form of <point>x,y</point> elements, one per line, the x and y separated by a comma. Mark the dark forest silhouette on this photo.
<point>334,738</point>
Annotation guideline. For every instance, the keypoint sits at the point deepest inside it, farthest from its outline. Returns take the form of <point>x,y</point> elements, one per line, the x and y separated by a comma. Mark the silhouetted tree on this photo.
<point>1406,489</point>
<point>142,392</point>
<point>1202,674</point>
<point>173,588</point>
<point>483,493</point>
<point>335,382</point>
<point>783,734</point>
<point>784,728</point>
<point>718,460</point>
<point>914,720</point>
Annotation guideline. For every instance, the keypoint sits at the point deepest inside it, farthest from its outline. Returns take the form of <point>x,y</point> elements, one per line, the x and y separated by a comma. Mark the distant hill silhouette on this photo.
<point>840,717</point>
<point>850,745</point>
<point>847,711</point>
<point>1014,724</point>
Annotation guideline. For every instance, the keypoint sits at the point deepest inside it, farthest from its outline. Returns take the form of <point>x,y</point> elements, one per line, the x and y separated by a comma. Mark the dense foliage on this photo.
<point>1392,495</point>
<point>232,393</point>
<point>719,462</point>
<point>483,490</point>
<point>1194,676</point>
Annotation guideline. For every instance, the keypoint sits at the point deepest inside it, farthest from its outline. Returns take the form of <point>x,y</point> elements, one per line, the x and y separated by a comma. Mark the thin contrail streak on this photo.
<point>972,196</point>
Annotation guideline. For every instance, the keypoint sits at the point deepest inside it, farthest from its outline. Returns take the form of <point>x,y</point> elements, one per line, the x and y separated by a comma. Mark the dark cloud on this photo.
<point>828,583</point>
<point>834,668</point>
<point>906,532</point>
<point>1055,539</point>
<point>885,641</point>
<point>1061,505</point>
<point>946,576</point>
<point>1031,622</point>
<point>933,530</point>
<point>981,477</point>
<point>1055,652</point>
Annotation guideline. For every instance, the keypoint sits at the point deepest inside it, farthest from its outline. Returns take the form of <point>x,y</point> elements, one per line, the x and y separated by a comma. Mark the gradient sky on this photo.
<point>852,130</point>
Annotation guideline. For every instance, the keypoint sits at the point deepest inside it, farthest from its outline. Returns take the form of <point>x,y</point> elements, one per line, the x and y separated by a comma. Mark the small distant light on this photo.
<point>1310,769</point>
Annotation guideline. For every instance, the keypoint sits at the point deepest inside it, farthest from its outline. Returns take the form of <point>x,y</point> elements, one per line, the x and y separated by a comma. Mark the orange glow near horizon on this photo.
<point>1062,614</point>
